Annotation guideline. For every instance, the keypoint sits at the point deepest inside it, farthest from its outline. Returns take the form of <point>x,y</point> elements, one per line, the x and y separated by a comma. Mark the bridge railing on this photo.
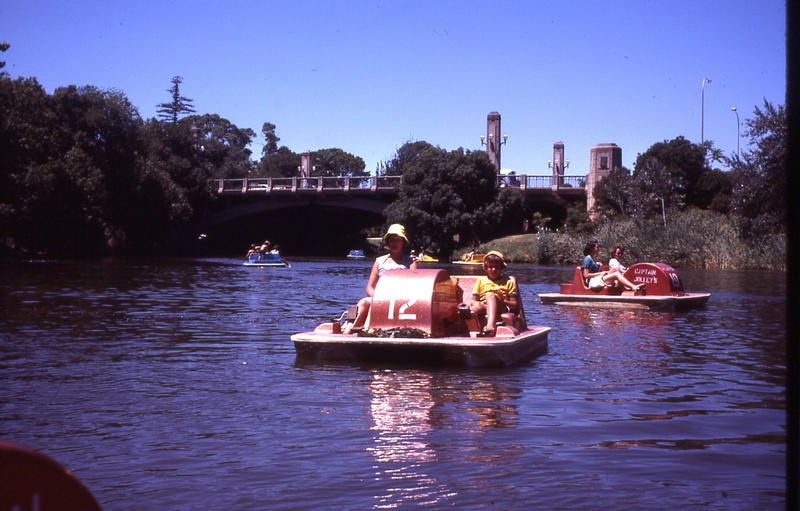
<point>369,183</point>
<point>300,184</point>
<point>524,181</point>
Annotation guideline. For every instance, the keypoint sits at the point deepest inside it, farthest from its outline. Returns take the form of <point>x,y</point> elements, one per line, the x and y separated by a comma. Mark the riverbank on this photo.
<point>697,239</point>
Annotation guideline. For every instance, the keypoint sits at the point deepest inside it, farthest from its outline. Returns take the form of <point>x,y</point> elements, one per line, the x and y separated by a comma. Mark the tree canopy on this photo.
<point>3,47</point>
<point>334,162</point>
<point>448,198</point>
<point>758,194</point>
<point>81,173</point>
<point>669,176</point>
<point>270,139</point>
<point>169,112</point>
<point>222,145</point>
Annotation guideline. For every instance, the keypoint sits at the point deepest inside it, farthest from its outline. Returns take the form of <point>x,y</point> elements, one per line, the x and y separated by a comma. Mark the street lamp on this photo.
<point>557,165</point>
<point>738,154</point>
<point>703,107</point>
<point>491,139</point>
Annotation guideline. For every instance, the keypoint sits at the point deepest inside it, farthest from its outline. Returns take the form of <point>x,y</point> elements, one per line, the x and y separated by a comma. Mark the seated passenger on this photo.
<point>614,257</point>
<point>395,238</point>
<point>596,279</point>
<point>494,294</point>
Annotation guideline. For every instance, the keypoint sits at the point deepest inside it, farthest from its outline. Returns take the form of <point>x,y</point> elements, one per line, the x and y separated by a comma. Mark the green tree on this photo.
<point>759,178</point>
<point>174,161</point>
<point>3,47</point>
<point>70,167</point>
<point>404,156</point>
<point>335,162</point>
<point>669,176</point>
<point>282,163</point>
<point>655,190</point>
<point>448,196</point>
<point>221,145</point>
<point>169,112</point>
<point>614,192</point>
<point>678,160</point>
<point>270,139</point>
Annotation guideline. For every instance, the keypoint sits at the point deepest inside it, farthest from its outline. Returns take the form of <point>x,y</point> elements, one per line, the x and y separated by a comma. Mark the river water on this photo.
<point>173,384</point>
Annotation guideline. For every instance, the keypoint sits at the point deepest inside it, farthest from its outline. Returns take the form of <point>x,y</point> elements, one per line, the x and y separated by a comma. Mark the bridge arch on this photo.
<point>310,225</point>
<point>234,212</point>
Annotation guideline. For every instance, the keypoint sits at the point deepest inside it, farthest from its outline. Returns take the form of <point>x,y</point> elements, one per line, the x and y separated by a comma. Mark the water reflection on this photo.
<point>410,410</point>
<point>400,407</point>
<point>620,346</point>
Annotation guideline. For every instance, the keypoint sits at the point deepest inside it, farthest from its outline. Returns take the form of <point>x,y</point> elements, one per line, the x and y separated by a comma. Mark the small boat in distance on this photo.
<point>662,290</point>
<point>426,259</point>
<point>415,318</point>
<point>269,259</point>
<point>471,259</point>
<point>355,254</point>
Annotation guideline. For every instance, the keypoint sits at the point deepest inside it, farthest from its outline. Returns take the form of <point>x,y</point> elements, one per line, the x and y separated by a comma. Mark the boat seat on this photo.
<point>465,284</point>
<point>578,281</point>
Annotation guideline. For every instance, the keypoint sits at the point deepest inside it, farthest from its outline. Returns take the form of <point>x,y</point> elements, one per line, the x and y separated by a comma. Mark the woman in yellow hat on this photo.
<point>495,293</point>
<point>397,259</point>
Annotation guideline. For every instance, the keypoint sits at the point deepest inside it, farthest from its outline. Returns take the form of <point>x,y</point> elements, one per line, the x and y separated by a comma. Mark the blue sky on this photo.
<point>368,76</point>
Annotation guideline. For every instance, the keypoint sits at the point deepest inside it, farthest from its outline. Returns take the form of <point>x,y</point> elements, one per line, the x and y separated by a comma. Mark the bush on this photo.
<point>691,239</point>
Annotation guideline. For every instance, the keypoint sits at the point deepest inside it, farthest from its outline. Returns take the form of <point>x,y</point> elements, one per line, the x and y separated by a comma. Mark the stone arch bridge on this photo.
<point>324,215</point>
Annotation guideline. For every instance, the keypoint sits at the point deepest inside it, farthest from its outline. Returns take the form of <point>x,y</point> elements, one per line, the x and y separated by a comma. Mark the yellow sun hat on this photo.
<point>396,230</point>
<point>498,254</point>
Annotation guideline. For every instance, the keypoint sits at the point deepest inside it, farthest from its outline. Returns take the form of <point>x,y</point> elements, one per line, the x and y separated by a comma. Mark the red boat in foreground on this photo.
<point>415,318</point>
<point>663,289</point>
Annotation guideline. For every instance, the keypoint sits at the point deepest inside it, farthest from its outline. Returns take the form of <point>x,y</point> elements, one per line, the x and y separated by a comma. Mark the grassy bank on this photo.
<point>691,239</point>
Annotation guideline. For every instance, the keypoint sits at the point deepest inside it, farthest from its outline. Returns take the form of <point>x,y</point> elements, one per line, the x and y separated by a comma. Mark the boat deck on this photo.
<point>459,351</point>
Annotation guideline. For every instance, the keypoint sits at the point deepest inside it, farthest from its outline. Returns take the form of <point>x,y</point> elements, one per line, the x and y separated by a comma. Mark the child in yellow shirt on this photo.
<point>496,293</point>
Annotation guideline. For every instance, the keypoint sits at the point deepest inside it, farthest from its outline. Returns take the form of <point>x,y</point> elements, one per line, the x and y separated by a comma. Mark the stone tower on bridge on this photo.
<point>559,164</point>
<point>603,158</point>
<point>492,140</point>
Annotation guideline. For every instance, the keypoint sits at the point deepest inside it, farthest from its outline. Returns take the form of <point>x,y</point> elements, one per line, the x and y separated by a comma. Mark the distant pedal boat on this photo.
<point>355,254</point>
<point>422,308</point>
<point>663,290</point>
<point>258,259</point>
<point>471,260</point>
<point>426,259</point>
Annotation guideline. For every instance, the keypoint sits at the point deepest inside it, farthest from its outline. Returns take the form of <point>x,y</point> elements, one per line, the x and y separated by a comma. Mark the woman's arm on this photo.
<point>373,279</point>
<point>587,274</point>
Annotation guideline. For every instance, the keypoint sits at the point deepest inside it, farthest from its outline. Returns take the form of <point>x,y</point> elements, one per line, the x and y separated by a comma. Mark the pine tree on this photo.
<point>178,105</point>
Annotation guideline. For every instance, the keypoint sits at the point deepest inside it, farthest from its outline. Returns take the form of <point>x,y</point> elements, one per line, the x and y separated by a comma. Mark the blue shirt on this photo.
<point>590,264</point>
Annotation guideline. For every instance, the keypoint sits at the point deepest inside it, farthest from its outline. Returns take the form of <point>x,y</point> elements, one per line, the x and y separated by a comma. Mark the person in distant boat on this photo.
<point>596,279</point>
<point>253,250</point>
<point>468,255</point>
<point>397,259</point>
<point>494,294</point>
<point>263,249</point>
<point>614,257</point>
<point>275,249</point>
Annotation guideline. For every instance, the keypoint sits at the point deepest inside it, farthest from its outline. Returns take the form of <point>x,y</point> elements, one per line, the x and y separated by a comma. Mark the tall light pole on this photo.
<point>738,154</point>
<point>703,107</point>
